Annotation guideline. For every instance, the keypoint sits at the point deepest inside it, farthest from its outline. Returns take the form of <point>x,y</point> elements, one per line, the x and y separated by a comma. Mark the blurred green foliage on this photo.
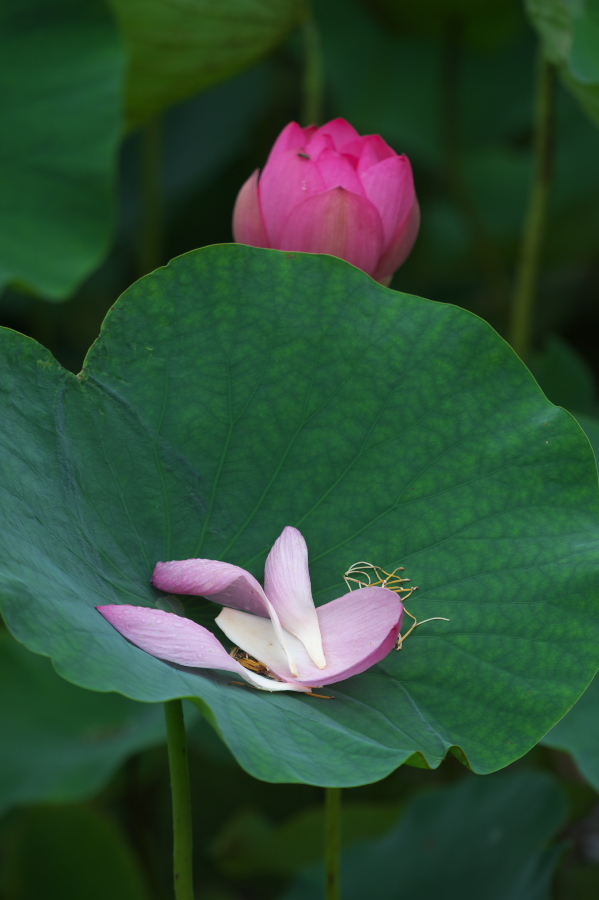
<point>488,837</point>
<point>61,75</point>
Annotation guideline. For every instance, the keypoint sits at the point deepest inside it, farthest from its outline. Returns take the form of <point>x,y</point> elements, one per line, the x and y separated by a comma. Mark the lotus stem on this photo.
<point>151,232</point>
<point>534,224</point>
<point>180,791</point>
<point>487,253</point>
<point>333,843</point>
<point>313,71</point>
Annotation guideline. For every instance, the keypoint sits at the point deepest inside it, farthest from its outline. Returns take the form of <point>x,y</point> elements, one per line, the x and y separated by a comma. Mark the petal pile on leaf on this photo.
<point>298,645</point>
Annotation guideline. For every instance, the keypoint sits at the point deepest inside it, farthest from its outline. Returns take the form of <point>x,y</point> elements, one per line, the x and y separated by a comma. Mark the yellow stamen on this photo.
<point>361,574</point>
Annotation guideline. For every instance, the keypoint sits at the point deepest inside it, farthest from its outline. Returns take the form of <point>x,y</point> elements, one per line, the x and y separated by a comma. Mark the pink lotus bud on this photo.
<point>328,190</point>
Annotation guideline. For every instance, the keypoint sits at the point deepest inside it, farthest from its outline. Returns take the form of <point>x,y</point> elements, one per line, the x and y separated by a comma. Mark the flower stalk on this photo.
<point>313,70</point>
<point>181,798</point>
<point>152,198</point>
<point>534,225</point>
<point>333,843</point>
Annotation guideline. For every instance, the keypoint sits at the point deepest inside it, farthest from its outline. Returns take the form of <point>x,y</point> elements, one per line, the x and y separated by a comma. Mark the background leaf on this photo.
<point>61,743</point>
<point>239,390</point>
<point>483,837</point>
<point>61,69</point>
<point>177,49</point>
<point>578,734</point>
<point>252,844</point>
<point>71,852</point>
<point>570,35</point>
<point>565,377</point>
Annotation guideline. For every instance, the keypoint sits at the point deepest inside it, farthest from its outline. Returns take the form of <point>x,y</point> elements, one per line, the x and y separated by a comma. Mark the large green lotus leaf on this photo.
<point>61,71</point>
<point>570,35</point>
<point>59,742</point>
<point>479,838</point>
<point>239,390</point>
<point>71,852</point>
<point>177,49</point>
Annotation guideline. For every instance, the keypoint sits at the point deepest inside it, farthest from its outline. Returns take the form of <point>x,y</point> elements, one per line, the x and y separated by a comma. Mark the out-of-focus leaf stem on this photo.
<point>313,70</point>
<point>151,231</point>
<point>181,797</point>
<point>525,288</point>
<point>333,843</point>
<point>486,250</point>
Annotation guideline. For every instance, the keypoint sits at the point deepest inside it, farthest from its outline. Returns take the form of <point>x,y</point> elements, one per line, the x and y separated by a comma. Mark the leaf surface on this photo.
<point>237,391</point>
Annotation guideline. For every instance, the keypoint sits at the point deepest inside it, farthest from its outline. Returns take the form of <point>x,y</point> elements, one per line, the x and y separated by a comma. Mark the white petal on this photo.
<point>359,629</point>
<point>287,586</point>
<point>256,635</point>
<point>223,583</point>
<point>269,684</point>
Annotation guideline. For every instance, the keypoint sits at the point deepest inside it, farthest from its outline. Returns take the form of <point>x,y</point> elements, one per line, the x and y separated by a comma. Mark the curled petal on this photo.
<point>248,224</point>
<point>222,582</point>
<point>358,630</point>
<point>269,684</point>
<point>287,586</point>
<point>181,641</point>
<point>338,222</point>
<point>170,637</point>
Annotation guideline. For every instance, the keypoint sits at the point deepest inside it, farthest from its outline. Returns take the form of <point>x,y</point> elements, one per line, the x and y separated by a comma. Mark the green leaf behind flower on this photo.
<point>177,49</point>
<point>479,838</point>
<point>61,743</point>
<point>61,73</point>
<point>570,36</point>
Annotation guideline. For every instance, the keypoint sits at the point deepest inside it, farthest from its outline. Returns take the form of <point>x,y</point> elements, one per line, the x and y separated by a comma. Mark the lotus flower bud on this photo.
<point>328,190</point>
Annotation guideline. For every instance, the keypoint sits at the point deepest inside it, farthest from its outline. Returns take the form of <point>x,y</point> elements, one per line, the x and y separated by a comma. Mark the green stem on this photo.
<point>333,843</point>
<point>151,230</point>
<point>486,251</point>
<point>534,224</point>
<point>182,836</point>
<point>313,71</point>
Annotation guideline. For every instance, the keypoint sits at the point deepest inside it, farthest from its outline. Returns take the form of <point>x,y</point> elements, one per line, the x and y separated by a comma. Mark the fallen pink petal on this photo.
<point>300,645</point>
